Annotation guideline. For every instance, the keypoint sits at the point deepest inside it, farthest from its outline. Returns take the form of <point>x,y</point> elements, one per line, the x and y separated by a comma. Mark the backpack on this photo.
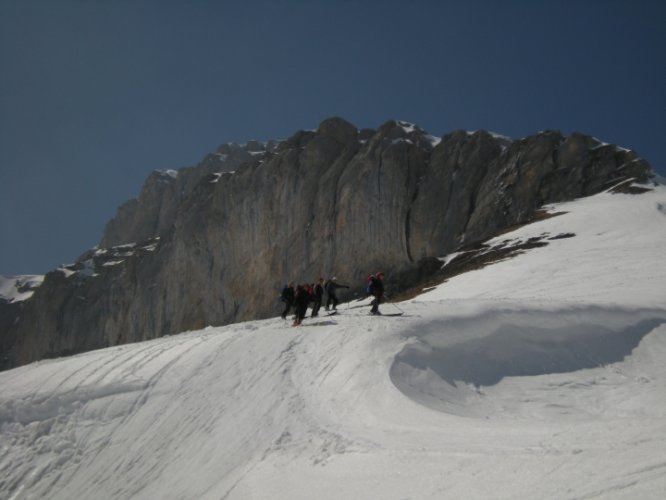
<point>371,285</point>
<point>375,286</point>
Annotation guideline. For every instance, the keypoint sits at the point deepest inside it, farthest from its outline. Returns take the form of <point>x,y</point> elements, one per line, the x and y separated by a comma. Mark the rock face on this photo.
<point>154,211</point>
<point>213,244</point>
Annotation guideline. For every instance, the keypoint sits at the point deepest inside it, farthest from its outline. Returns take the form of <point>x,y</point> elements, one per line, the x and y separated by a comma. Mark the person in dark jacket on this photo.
<point>376,289</point>
<point>318,297</point>
<point>302,301</point>
<point>287,296</point>
<point>331,286</point>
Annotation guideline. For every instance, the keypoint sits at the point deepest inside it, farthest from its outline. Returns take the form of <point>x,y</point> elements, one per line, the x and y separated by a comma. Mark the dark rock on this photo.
<point>215,242</point>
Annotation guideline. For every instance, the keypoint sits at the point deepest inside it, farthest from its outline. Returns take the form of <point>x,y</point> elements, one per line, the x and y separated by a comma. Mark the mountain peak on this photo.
<point>335,201</point>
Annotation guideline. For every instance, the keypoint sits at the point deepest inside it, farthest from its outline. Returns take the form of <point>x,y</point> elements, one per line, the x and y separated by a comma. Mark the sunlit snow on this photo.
<point>19,288</point>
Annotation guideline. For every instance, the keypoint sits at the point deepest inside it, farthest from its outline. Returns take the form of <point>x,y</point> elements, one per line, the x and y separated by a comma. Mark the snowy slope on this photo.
<point>19,288</point>
<point>538,377</point>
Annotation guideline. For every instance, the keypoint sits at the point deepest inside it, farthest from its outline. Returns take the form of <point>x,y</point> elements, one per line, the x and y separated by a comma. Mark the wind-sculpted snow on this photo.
<point>263,410</point>
<point>459,376</point>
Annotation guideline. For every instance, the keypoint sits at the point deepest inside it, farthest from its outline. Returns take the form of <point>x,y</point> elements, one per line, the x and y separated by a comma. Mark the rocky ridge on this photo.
<point>212,244</point>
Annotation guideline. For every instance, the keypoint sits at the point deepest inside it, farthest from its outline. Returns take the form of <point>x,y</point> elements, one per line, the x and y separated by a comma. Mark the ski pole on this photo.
<point>393,304</point>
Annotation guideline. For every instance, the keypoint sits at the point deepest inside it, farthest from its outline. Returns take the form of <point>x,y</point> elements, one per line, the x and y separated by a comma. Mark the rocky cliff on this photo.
<point>212,244</point>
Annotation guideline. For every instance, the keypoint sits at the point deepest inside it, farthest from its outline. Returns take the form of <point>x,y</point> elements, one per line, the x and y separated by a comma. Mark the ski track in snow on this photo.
<point>124,422</point>
<point>531,378</point>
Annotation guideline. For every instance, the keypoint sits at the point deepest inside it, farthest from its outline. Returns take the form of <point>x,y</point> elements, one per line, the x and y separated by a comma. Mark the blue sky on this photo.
<point>94,95</point>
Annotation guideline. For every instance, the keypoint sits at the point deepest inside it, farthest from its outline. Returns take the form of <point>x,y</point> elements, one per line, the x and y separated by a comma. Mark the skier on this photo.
<point>376,289</point>
<point>331,286</point>
<point>302,300</point>
<point>318,297</point>
<point>287,296</point>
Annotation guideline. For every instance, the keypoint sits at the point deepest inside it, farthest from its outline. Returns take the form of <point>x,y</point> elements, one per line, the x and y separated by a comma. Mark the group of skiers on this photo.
<point>299,297</point>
